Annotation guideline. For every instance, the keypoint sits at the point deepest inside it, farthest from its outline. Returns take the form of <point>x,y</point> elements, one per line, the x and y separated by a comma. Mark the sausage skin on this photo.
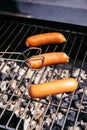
<point>46,59</point>
<point>53,87</point>
<point>45,38</point>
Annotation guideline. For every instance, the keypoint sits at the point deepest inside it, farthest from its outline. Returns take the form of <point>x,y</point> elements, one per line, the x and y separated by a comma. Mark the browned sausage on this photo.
<point>53,87</point>
<point>45,38</point>
<point>46,59</point>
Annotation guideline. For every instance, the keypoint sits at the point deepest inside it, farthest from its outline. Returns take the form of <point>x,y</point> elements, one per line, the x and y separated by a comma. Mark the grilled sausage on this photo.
<point>53,87</point>
<point>45,38</point>
<point>46,59</point>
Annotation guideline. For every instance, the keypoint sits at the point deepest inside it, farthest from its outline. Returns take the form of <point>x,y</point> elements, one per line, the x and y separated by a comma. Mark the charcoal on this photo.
<point>23,104</point>
<point>55,126</point>
<point>5,97</point>
<point>82,73</point>
<point>85,98</point>
<point>71,116</point>
<point>65,102</point>
<point>48,121</point>
<point>11,76</point>
<point>19,77</point>
<point>1,64</point>
<point>2,76</point>
<point>75,98</point>
<point>46,127</point>
<point>60,119</point>
<point>6,69</point>
<point>76,128</point>
<point>3,100</point>
<point>80,85</point>
<point>13,84</point>
<point>22,88</point>
<point>27,124</point>
<point>8,78</point>
<point>51,110</point>
<point>16,68</point>
<point>58,96</point>
<point>3,85</point>
<point>53,116</point>
<point>79,91</point>
<point>82,127</point>
<point>38,127</point>
<point>25,82</point>
<point>55,100</point>
<point>60,122</point>
<point>76,104</point>
<point>37,113</point>
<point>17,92</point>
<point>83,116</point>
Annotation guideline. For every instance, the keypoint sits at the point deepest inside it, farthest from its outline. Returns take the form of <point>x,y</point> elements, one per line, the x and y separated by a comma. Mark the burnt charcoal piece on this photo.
<point>13,74</point>
<point>51,110</point>
<point>72,128</point>
<point>83,116</point>
<point>75,98</point>
<point>25,81</point>
<point>71,116</point>
<point>75,104</point>
<point>68,124</point>
<point>23,104</point>
<point>8,78</point>
<point>82,127</point>
<point>70,120</point>
<point>65,102</point>
<point>56,127</point>
<point>85,109</point>
<point>85,98</point>
<point>46,127</point>
<point>2,76</point>
<point>60,122</point>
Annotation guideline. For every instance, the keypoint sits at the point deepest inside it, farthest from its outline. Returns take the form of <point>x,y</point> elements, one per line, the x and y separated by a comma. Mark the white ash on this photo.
<point>36,108</point>
<point>48,120</point>
<point>3,85</point>
<point>58,96</point>
<point>6,69</point>
<point>53,116</point>
<point>13,83</point>
<point>85,91</point>
<point>22,71</point>
<point>27,124</point>
<point>83,74</point>
<point>29,73</point>
<point>60,116</point>
<point>74,128</point>
<point>16,68</point>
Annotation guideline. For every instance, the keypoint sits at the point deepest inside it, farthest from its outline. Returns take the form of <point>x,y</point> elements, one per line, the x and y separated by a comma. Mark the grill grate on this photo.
<point>62,111</point>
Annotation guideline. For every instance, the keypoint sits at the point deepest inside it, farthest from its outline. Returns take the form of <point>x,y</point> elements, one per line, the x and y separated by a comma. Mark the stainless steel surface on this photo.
<point>68,3</point>
<point>74,12</point>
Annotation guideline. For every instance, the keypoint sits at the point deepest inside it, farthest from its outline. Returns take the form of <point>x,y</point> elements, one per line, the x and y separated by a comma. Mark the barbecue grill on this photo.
<point>18,111</point>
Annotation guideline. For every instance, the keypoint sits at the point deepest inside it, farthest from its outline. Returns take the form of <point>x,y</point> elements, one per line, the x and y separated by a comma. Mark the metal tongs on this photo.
<point>21,56</point>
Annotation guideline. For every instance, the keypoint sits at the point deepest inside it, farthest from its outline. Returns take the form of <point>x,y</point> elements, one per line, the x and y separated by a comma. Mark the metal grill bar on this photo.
<point>75,40</point>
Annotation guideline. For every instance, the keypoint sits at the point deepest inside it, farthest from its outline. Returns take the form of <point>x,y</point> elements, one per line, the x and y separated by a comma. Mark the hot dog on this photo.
<point>45,38</point>
<point>46,59</point>
<point>53,87</point>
